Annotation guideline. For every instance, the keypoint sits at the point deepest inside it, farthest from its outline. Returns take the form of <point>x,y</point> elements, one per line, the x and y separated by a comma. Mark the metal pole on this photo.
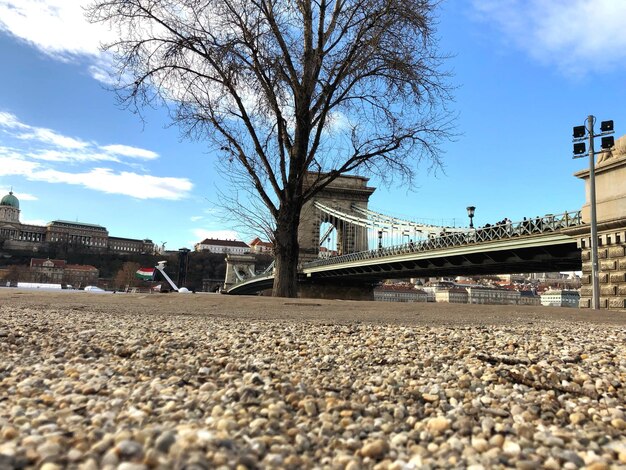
<point>595,283</point>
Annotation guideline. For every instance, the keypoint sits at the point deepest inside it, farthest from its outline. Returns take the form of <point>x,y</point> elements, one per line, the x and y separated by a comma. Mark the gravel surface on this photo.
<point>135,382</point>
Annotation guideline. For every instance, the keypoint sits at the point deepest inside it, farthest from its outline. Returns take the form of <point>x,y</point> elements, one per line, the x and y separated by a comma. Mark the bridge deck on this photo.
<point>529,246</point>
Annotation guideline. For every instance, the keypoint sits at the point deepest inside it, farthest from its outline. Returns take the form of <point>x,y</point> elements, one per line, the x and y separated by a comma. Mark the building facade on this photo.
<point>259,246</point>
<point>399,293</point>
<point>57,271</point>
<point>454,295</point>
<point>234,247</point>
<point>492,295</point>
<point>560,298</point>
<point>18,236</point>
<point>47,270</point>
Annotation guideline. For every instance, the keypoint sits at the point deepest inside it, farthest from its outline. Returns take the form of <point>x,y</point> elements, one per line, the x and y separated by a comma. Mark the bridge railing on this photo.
<point>527,227</point>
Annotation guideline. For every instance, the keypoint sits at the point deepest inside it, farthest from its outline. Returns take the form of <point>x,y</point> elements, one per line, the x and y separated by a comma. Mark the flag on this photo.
<point>147,274</point>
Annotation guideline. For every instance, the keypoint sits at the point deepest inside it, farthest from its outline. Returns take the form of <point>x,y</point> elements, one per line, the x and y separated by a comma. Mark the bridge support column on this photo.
<point>238,268</point>
<point>612,268</point>
<point>610,175</point>
<point>336,290</point>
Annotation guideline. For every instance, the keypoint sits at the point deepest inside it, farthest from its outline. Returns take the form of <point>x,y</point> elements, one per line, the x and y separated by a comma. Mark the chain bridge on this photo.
<point>533,245</point>
<point>346,248</point>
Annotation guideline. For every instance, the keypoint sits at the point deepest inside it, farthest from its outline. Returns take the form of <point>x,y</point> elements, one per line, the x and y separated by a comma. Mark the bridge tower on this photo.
<point>238,268</point>
<point>610,173</point>
<point>342,194</point>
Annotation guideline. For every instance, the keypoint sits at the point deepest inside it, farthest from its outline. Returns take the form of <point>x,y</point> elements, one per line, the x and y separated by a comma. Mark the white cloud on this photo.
<point>48,145</point>
<point>10,121</point>
<point>12,164</point>
<point>52,149</point>
<point>59,29</point>
<point>125,183</point>
<point>195,218</point>
<point>133,152</point>
<point>47,136</point>
<point>71,156</point>
<point>576,36</point>
<point>200,234</point>
<point>56,27</point>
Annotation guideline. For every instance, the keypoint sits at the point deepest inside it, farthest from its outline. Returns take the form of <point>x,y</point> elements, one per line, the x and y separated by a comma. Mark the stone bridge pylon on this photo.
<point>342,194</point>
<point>610,182</point>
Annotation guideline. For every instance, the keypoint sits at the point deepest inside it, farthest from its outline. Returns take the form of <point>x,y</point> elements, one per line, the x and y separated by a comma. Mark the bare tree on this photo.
<point>125,277</point>
<point>288,90</point>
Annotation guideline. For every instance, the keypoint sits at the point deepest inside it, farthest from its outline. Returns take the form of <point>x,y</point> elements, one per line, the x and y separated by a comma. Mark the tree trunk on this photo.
<point>286,250</point>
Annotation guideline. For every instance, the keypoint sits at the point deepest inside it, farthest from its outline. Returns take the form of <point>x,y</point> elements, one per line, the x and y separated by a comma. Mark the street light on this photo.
<point>579,134</point>
<point>380,239</point>
<point>470,214</point>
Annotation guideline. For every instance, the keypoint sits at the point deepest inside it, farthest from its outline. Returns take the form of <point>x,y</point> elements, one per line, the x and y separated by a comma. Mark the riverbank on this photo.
<point>164,381</point>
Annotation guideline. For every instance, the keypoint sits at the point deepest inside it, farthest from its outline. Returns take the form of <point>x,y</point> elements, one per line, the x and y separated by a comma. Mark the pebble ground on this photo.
<point>162,381</point>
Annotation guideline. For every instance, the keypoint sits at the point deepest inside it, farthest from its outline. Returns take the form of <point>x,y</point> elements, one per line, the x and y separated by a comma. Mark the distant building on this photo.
<point>79,275</point>
<point>20,236</point>
<point>454,295</point>
<point>399,293</point>
<point>560,298</point>
<point>528,297</point>
<point>511,278</point>
<point>492,295</point>
<point>47,270</point>
<point>259,246</point>
<point>433,287</point>
<point>58,271</point>
<point>212,245</point>
<point>130,245</point>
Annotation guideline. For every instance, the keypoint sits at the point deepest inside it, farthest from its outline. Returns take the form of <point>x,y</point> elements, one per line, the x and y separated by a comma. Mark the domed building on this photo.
<point>18,236</point>
<point>9,217</point>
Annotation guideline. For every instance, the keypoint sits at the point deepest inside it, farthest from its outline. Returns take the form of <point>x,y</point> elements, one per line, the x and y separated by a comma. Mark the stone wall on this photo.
<point>611,270</point>
<point>610,175</point>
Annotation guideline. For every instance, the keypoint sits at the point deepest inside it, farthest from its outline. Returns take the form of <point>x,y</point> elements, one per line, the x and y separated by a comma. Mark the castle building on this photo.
<point>18,236</point>
<point>234,247</point>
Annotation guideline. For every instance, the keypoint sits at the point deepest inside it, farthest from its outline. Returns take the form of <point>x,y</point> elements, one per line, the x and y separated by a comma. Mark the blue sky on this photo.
<point>525,72</point>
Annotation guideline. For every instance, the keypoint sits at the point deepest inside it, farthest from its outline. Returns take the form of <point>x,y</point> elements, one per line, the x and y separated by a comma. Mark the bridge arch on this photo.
<point>344,194</point>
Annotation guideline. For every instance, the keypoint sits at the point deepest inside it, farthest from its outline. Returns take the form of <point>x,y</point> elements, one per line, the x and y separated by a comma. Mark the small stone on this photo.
<point>129,450</point>
<point>598,466</point>
<point>479,444</point>
<point>165,441</point>
<point>438,424</point>
<point>74,455</point>
<point>375,450</point>
<point>89,464</point>
<point>577,418</point>
<point>132,466</point>
<point>310,407</point>
<point>429,397</point>
<point>618,423</point>
<point>511,448</point>
<point>399,440</point>
<point>226,424</point>
<point>9,433</point>
<point>50,466</point>
<point>110,458</point>
<point>552,464</point>
<point>497,440</point>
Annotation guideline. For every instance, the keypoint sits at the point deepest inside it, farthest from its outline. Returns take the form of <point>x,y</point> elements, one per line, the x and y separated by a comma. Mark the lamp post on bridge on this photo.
<point>580,133</point>
<point>470,214</point>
